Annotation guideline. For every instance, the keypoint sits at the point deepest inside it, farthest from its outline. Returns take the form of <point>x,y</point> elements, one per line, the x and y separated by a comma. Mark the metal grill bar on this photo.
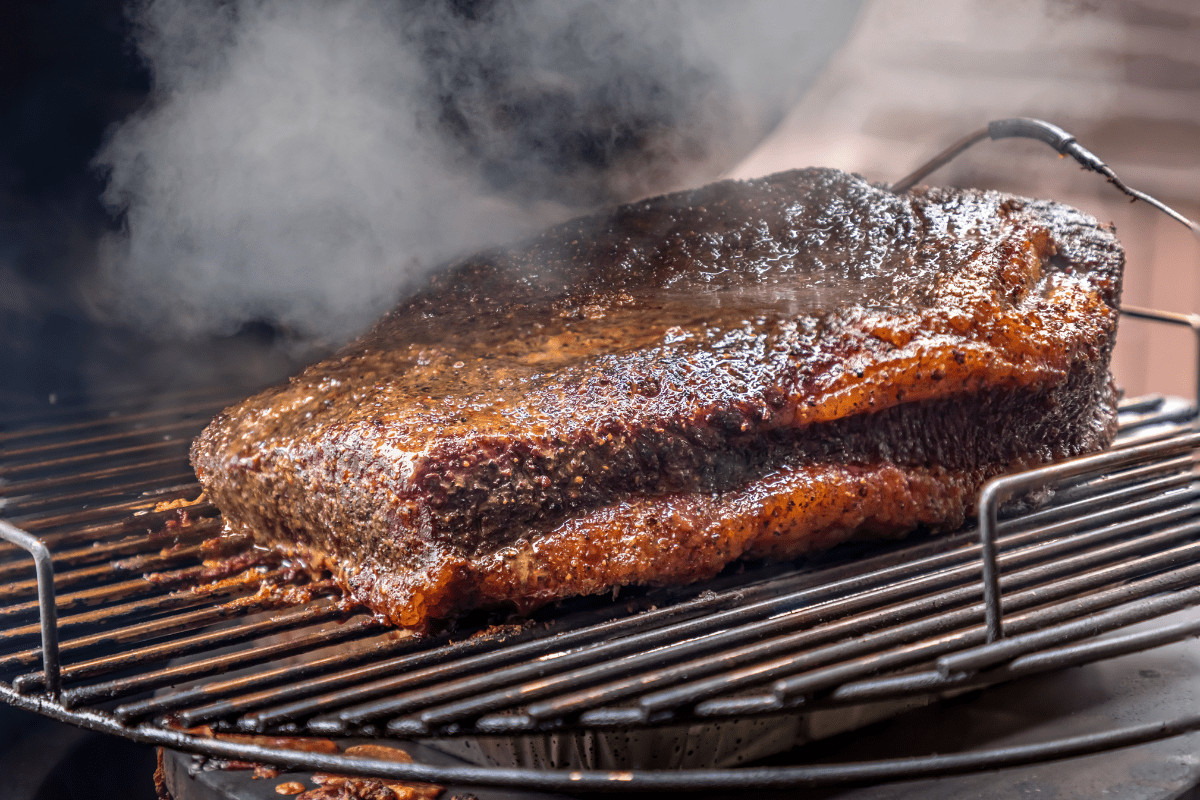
<point>1118,540</point>
<point>1127,509</point>
<point>1003,488</point>
<point>85,499</point>
<point>153,601</point>
<point>109,690</point>
<point>325,726</point>
<point>71,461</point>
<point>1093,603</point>
<point>34,485</point>
<point>373,647</point>
<point>48,609</point>
<point>447,669</point>
<point>129,515</point>
<point>205,713</point>
<point>1185,320</point>
<point>20,589</point>
<point>202,412</point>
<point>1075,654</point>
<point>644,680</point>
<point>690,692</point>
<point>100,552</point>
<point>683,780</point>
<point>187,428</point>
<point>175,623</point>
<point>994,653</point>
<point>183,646</point>
<point>813,611</point>
<point>1054,658</point>
<point>938,625</point>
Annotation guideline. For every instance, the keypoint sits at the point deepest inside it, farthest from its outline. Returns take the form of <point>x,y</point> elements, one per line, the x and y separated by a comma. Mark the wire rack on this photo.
<point>133,619</point>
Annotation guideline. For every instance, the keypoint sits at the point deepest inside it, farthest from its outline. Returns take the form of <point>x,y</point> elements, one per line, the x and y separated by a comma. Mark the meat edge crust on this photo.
<point>438,581</point>
<point>681,539</point>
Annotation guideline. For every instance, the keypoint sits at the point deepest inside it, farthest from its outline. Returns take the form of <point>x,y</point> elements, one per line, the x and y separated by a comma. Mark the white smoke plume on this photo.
<point>302,162</point>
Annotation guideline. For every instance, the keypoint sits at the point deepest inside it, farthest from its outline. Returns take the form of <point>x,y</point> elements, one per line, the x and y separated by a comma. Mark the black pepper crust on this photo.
<point>702,342</point>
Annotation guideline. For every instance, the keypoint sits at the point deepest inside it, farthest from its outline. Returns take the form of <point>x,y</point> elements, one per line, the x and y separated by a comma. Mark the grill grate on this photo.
<point>159,632</point>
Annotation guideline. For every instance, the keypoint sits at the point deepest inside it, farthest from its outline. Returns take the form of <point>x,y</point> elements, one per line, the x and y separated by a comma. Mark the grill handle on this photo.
<point>47,607</point>
<point>998,490</point>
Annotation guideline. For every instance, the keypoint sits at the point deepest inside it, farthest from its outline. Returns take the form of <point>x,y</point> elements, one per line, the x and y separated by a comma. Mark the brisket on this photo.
<point>749,369</point>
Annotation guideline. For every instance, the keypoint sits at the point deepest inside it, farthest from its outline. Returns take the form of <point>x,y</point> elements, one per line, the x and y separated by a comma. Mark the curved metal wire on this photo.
<point>741,779</point>
<point>685,780</point>
<point>1056,137</point>
<point>775,777</point>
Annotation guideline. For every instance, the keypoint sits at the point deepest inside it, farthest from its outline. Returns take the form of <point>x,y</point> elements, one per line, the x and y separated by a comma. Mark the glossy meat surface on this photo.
<point>642,396</point>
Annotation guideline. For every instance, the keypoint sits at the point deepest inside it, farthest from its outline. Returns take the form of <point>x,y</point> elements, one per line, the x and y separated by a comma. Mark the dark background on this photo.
<point>67,73</point>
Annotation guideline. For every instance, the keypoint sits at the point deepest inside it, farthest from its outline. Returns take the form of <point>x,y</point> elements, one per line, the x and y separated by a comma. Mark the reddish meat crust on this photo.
<point>748,369</point>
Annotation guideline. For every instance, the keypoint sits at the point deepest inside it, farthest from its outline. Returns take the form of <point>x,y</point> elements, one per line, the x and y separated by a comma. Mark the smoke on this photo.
<point>302,162</point>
